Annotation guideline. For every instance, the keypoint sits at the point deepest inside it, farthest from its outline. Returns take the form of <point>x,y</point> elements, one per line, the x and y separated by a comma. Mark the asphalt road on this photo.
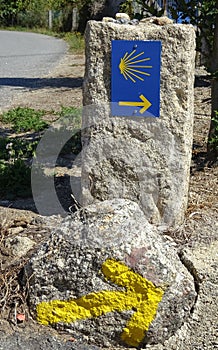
<point>24,59</point>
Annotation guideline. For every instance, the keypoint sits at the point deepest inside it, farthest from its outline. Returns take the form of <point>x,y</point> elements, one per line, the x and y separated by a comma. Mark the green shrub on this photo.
<point>13,148</point>
<point>15,174</point>
<point>15,153</point>
<point>31,19</point>
<point>24,119</point>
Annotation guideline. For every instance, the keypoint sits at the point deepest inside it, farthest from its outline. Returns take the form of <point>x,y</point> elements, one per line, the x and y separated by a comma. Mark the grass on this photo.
<point>24,119</point>
<point>16,152</point>
<point>76,42</point>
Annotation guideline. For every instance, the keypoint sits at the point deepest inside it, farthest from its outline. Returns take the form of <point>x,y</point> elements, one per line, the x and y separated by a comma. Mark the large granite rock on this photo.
<point>108,277</point>
<point>39,341</point>
<point>146,160</point>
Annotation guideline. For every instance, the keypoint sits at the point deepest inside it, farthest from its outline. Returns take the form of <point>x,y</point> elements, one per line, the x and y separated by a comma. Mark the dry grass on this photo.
<point>12,295</point>
<point>13,290</point>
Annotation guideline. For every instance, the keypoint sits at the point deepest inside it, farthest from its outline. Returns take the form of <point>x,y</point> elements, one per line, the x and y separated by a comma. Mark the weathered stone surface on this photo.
<point>161,21</point>
<point>39,341</point>
<point>72,264</point>
<point>121,15</point>
<point>146,160</point>
<point>19,245</point>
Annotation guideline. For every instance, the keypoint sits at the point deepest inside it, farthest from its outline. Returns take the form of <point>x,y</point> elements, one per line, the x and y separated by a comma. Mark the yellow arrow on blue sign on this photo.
<point>145,104</point>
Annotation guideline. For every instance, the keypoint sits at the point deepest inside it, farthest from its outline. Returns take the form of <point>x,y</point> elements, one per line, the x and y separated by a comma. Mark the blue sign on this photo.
<point>135,79</point>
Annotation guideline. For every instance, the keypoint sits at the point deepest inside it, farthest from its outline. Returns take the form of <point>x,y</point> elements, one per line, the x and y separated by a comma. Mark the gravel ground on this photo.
<point>197,238</point>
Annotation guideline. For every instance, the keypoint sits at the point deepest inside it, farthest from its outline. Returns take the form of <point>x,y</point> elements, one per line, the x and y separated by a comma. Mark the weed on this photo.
<point>72,112</point>
<point>13,148</point>
<point>24,119</point>
<point>15,153</point>
<point>75,41</point>
<point>14,172</point>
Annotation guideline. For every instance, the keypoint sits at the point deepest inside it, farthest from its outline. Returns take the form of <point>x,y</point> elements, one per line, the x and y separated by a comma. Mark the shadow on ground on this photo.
<point>202,81</point>
<point>40,83</point>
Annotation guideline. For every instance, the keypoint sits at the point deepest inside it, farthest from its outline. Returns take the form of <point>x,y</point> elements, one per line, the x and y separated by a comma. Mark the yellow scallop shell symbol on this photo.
<point>131,68</point>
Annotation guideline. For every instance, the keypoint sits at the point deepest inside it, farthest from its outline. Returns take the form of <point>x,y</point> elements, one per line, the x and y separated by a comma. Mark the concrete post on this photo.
<point>50,19</point>
<point>146,160</point>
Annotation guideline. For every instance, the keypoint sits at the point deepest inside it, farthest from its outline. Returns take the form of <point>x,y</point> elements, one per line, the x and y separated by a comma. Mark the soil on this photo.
<point>196,239</point>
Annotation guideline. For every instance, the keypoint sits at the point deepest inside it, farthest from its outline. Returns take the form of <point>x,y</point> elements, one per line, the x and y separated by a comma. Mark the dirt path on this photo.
<point>197,237</point>
<point>62,87</point>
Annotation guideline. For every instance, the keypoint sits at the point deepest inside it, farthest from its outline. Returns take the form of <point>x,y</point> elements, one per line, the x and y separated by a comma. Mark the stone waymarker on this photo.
<point>144,159</point>
<point>107,276</point>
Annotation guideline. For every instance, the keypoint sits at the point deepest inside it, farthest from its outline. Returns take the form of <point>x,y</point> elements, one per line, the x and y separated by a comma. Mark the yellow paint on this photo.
<point>140,294</point>
<point>147,294</point>
<point>130,68</point>
<point>122,66</point>
<point>145,104</point>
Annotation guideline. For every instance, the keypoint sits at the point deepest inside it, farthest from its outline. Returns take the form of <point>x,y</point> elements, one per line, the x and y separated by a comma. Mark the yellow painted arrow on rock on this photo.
<point>145,104</point>
<point>140,294</point>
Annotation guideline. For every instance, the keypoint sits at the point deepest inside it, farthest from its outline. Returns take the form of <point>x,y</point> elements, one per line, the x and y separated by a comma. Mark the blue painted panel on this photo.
<point>135,78</point>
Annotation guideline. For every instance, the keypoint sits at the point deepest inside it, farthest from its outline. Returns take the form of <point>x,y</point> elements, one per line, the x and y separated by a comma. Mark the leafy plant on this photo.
<point>127,7</point>
<point>149,8</point>
<point>15,173</point>
<point>15,153</point>
<point>9,10</point>
<point>13,148</point>
<point>199,13</point>
<point>24,119</point>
